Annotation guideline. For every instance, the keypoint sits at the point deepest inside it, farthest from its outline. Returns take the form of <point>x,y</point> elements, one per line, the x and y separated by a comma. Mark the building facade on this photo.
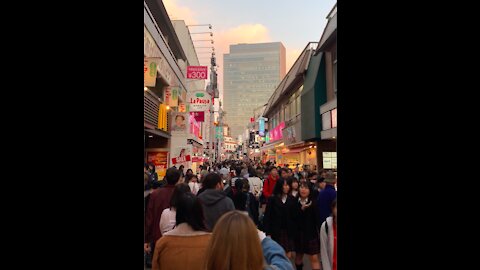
<point>251,74</point>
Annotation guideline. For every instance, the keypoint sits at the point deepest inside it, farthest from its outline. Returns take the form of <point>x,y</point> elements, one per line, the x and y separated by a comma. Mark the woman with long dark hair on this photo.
<point>307,239</point>
<point>168,218</point>
<point>279,219</point>
<point>185,246</point>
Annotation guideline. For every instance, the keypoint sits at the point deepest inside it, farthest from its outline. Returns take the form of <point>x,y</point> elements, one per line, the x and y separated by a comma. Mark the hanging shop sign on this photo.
<point>199,101</point>
<point>194,127</point>
<point>170,96</point>
<point>197,72</point>
<point>182,107</point>
<point>276,133</point>
<point>199,116</point>
<point>150,71</point>
<point>261,126</point>
<point>160,160</point>
<point>181,155</point>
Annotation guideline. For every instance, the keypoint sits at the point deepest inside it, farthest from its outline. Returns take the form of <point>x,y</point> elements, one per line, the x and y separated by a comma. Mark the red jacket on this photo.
<point>268,186</point>
<point>159,201</point>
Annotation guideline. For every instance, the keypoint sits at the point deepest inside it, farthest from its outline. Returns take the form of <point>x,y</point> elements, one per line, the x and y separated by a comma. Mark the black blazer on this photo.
<point>279,215</point>
<point>307,220</point>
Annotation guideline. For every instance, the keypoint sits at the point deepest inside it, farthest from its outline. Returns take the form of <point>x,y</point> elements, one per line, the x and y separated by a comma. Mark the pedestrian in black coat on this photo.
<point>280,215</point>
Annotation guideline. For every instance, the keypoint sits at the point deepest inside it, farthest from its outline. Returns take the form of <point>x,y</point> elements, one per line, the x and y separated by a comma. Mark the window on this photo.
<point>326,121</point>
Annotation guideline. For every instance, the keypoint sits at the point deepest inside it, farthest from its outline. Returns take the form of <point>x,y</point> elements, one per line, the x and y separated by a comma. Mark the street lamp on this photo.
<point>211,33</point>
<point>209,25</point>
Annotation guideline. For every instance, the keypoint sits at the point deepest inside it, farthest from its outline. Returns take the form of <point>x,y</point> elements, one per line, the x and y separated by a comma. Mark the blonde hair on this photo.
<point>234,244</point>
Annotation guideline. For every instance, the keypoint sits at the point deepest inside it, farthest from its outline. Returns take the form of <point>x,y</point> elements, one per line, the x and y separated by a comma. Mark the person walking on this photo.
<point>326,197</point>
<point>159,200</point>
<point>328,239</point>
<point>295,188</point>
<point>246,248</point>
<point>168,218</point>
<point>279,219</point>
<point>185,246</point>
<point>307,239</point>
<point>215,202</point>
<point>192,182</point>
<point>245,201</point>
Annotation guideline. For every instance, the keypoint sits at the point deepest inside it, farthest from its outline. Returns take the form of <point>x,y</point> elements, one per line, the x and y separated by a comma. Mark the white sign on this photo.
<point>149,72</point>
<point>199,101</point>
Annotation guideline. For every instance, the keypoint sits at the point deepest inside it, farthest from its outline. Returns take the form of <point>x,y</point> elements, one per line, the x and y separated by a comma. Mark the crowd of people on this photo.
<point>240,215</point>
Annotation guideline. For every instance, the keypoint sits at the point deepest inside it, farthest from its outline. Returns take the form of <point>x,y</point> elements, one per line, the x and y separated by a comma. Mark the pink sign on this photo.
<point>199,116</point>
<point>276,133</point>
<point>197,72</point>
<point>194,127</point>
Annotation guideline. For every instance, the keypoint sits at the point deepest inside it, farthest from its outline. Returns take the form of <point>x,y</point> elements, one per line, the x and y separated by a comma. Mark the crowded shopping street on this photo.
<point>240,132</point>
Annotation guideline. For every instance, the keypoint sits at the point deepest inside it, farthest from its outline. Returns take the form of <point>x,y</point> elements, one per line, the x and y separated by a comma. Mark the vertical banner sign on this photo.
<point>160,160</point>
<point>218,132</point>
<point>167,95</point>
<point>162,117</point>
<point>261,126</point>
<point>197,72</point>
<point>174,99</point>
<point>199,116</point>
<point>149,72</point>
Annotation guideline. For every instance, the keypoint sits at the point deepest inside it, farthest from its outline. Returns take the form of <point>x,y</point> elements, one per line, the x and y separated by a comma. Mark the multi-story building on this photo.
<point>251,74</point>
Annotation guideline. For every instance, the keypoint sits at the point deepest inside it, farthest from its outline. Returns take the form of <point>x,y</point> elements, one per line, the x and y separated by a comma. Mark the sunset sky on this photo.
<point>294,23</point>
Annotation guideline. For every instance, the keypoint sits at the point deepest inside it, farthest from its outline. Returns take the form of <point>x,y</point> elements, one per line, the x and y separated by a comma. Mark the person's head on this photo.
<point>282,187</point>
<point>312,177</point>
<point>146,168</point>
<point>242,185</point>
<point>189,172</point>
<point>172,175</point>
<point>323,173</point>
<point>179,119</point>
<point>334,209</point>
<point>274,172</point>
<point>290,172</point>
<point>234,251</point>
<point>238,171</point>
<point>284,173</point>
<point>304,190</point>
<point>252,172</point>
<point>190,211</point>
<point>181,168</point>
<point>321,183</point>
<point>259,172</point>
<point>213,181</point>
<point>178,191</point>
<point>191,178</point>
<point>295,184</point>
<point>330,178</point>
<point>151,168</point>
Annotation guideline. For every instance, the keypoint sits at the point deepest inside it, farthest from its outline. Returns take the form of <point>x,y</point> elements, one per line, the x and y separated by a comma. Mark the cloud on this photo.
<point>177,12</point>
<point>291,57</point>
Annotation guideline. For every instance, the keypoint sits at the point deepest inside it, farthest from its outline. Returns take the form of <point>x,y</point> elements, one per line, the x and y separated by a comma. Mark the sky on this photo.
<point>292,22</point>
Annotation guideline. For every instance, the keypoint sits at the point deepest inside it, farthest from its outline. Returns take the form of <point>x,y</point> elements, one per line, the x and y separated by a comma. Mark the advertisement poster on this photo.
<point>149,72</point>
<point>180,156</point>
<point>195,127</point>
<point>197,72</point>
<point>179,123</point>
<point>160,160</point>
<point>167,95</point>
<point>182,107</point>
<point>174,99</point>
<point>198,116</point>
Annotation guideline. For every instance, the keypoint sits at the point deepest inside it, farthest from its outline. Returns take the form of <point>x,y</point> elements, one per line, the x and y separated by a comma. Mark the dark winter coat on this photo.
<point>308,221</point>
<point>215,204</point>
<point>280,216</point>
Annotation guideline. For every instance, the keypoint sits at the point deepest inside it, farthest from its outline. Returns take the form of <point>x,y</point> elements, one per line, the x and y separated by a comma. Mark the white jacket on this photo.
<point>326,244</point>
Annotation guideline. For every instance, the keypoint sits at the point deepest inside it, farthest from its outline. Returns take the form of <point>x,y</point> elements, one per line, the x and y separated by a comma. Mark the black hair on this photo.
<point>311,174</point>
<point>211,180</point>
<point>147,166</point>
<point>172,176</point>
<point>295,180</point>
<point>309,186</point>
<point>190,211</point>
<point>178,191</point>
<point>252,172</point>
<point>238,171</point>
<point>189,170</point>
<point>189,177</point>
<point>278,189</point>
<point>179,115</point>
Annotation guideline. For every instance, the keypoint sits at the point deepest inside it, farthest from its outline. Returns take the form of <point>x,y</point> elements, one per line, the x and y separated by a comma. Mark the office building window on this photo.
<point>335,72</point>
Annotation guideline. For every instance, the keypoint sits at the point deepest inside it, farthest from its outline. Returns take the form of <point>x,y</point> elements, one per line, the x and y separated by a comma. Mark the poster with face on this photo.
<point>181,155</point>
<point>179,123</point>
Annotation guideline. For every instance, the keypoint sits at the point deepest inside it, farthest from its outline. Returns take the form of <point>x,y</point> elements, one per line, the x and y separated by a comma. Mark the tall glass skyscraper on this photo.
<point>251,72</point>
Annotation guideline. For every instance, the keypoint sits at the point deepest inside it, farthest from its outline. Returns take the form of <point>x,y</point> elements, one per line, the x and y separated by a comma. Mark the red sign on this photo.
<point>197,72</point>
<point>160,160</point>
<point>181,159</point>
<point>198,116</point>
<point>252,119</point>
